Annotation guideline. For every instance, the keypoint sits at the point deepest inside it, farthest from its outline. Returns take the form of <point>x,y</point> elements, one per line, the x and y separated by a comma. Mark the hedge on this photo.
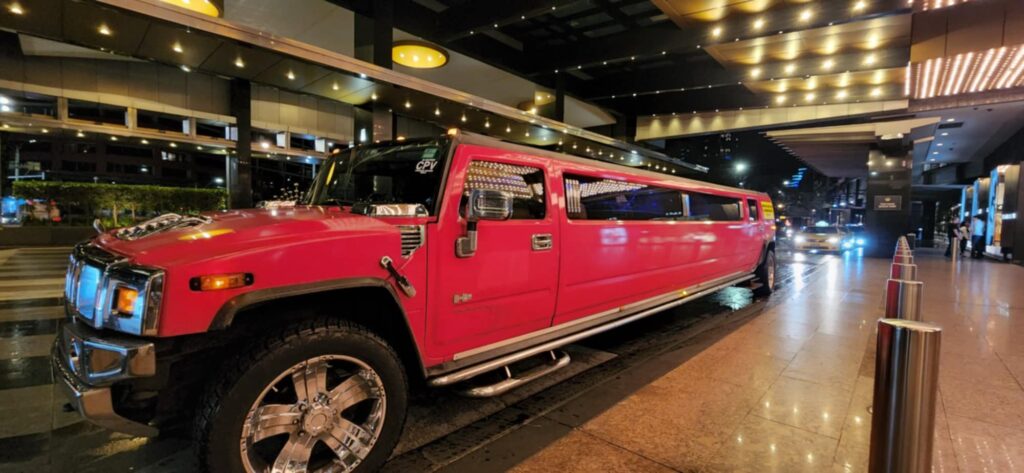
<point>118,198</point>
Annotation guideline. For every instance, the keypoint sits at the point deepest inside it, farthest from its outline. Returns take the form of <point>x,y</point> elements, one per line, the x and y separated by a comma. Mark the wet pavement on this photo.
<point>445,431</point>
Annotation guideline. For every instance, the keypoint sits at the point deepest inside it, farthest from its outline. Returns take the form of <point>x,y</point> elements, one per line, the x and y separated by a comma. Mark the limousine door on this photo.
<point>507,287</point>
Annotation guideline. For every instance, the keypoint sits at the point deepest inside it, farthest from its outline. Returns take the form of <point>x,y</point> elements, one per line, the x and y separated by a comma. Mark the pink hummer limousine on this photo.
<point>294,333</point>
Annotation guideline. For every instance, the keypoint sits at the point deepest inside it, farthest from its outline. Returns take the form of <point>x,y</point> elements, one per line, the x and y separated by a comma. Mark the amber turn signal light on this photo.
<point>126,297</point>
<point>216,282</point>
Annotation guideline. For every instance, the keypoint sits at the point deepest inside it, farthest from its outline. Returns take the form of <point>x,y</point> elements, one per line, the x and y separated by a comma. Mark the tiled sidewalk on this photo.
<point>790,390</point>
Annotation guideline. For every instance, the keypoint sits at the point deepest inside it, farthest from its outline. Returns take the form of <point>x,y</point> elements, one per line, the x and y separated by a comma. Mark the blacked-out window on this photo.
<point>161,121</point>
<point>129,151</point>
<point>590,198</point>
<point>174,173</point>
<point>752,208</point>
<point>77,166</point>
<point>96,112</point>
<point>82,148</point>
<point>714,207</point>
<point>525,183</point>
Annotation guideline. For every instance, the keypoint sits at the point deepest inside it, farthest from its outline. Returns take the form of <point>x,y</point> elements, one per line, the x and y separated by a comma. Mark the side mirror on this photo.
<point>482,205</point>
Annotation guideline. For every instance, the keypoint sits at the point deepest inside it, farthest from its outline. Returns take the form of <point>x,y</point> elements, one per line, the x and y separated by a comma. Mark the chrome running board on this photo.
<point>480,368</point>
<point>559,360</point>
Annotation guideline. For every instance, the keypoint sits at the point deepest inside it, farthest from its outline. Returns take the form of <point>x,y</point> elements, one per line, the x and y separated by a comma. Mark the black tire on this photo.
<point>765,275</point>
<point>223,409</point>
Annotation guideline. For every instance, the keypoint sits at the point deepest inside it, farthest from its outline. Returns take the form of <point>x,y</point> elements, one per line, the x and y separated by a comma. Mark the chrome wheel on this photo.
<point>771,272</point>
<point>323,414</point>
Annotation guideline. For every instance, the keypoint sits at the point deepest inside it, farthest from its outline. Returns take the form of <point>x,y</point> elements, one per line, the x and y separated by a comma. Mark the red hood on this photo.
<point>243,231</point>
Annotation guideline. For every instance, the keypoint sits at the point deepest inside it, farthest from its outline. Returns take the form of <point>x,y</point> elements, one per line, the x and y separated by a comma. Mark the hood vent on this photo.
<point>412,238</point>
<point>159,224</point>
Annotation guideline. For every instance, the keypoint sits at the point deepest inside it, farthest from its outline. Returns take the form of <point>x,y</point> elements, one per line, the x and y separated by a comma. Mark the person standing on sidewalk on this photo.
<point>953,237</point>
<point>977,237</point>
<point>965,235</point>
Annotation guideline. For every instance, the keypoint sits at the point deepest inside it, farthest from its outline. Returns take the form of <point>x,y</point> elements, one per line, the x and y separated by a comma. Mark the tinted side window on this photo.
<point>589,198</point>
<point>525,183</point>
<point>714,207</point>
<point>752,207</point>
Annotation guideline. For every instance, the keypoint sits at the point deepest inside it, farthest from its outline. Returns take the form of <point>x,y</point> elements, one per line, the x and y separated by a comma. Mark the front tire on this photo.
<point>319,395</point>
<point>765,274</point>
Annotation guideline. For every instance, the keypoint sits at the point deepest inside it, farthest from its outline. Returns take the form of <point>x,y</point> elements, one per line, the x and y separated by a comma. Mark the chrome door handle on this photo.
<point>541,241</point>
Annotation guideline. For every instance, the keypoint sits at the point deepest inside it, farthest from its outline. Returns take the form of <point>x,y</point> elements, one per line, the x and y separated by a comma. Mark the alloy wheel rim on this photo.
<point>332,422</point>
<point>771,273</point>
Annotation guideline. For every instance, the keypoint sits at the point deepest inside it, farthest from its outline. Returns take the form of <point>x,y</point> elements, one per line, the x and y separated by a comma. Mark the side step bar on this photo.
<point>480,368</point>
<point>559,360</point>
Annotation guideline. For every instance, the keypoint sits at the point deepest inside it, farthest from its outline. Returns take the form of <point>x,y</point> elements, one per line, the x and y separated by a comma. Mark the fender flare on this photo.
<point>226,314</point>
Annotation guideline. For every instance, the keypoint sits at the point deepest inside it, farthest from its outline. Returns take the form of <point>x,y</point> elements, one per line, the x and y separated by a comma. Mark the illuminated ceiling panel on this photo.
<point>866,35</point>
<point>972,72</point>
<point>715,10</point>
<point>830,81</point>
<point>934,4</point>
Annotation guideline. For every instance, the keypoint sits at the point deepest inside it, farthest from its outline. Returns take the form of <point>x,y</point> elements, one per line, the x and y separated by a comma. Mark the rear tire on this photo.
<point>765,274</point>
<point>318,393</point>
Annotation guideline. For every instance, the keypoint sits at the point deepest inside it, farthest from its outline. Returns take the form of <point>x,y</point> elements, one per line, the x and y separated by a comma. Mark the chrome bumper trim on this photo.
<point>71,360</point>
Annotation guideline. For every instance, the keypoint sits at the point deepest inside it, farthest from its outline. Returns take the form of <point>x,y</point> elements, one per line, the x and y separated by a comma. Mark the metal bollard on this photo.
<point>903,299</point>
<point>906,384</point>
<point>906,272</point>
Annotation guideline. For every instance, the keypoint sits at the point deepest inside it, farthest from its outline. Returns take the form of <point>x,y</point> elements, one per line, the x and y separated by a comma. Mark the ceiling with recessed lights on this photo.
<point>640,57</point>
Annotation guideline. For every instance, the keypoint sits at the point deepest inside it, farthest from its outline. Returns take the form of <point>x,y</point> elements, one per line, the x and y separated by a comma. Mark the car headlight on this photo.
<point>800,239</point>
<point>131,302</point>
<point>860,241</point>
<point>833,240</point>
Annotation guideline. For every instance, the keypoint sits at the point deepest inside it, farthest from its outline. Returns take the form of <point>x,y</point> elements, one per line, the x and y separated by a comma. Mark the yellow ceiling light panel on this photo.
<point>212,8</point>
<point>418,54</point>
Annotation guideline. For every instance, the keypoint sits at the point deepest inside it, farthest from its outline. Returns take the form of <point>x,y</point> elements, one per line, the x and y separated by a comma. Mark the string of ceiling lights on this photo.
<point>517,131</point>
<point>717,35</point>
<point>572,147</point>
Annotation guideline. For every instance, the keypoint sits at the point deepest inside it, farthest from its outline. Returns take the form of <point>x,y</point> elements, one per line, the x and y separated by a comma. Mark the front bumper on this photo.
<point>817,245</point>
<point>88,364</point>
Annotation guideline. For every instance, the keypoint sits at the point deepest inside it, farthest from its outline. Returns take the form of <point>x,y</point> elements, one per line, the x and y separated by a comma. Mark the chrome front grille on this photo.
<point>84,288</point>
<point>412,238</point>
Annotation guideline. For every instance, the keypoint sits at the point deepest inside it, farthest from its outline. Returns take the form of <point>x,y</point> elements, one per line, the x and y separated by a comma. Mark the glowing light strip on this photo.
<point>981,71</point>
<point>951,79</point>
<point>935,78</point>
<point>968,67</point>
<point>1008,73</point>
<point>906,80</point>
<point>990,78</point>
<point>929,5</point>
<point>923,85</point>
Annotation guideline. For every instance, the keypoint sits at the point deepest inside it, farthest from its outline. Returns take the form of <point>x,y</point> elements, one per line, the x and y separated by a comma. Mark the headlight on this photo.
<point>860,241</point>
<point>131,300</point>
<point>833,240</point>
<point>800,239</point>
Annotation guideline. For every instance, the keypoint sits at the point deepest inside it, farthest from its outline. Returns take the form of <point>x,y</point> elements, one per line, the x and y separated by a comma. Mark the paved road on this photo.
<point>445,431</point>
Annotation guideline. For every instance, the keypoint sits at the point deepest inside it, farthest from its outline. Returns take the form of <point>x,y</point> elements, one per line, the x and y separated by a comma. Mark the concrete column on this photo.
<point>373,40</point>
<point>887,211</point>
<point>239,164</point>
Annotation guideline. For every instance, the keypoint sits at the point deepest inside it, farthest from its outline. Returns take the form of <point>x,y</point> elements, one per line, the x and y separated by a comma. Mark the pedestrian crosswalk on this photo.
<point>31,311</point>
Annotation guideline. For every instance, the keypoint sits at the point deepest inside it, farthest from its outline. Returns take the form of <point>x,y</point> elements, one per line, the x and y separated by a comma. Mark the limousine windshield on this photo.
<point>405,173</point>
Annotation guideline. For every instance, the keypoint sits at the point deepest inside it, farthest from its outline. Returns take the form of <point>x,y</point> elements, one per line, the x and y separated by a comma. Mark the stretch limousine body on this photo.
<point>295,332</point>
